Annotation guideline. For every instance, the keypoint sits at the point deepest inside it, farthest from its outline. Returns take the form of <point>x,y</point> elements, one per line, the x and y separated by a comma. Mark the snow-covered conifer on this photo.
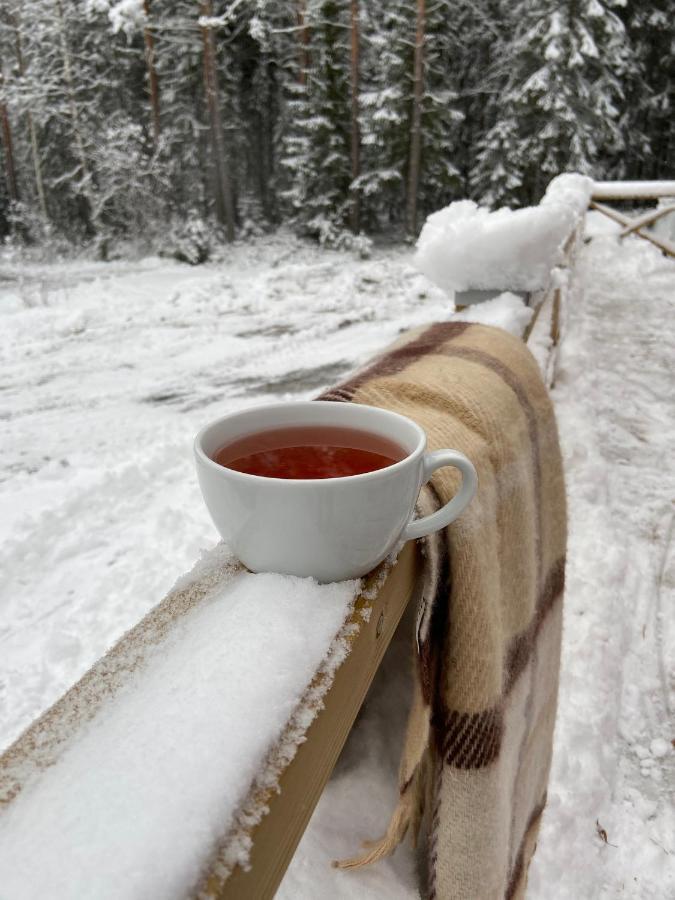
<point>560,109</point>
<point>316,154</point>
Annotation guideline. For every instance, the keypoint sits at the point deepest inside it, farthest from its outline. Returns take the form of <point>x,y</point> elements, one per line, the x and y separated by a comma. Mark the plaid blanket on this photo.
<point>477,753</point>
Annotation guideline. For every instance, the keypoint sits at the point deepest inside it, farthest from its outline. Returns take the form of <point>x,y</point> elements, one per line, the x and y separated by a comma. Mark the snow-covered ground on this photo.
<point>614,762</point>
<point>109,369</point>
<point>107,372</point>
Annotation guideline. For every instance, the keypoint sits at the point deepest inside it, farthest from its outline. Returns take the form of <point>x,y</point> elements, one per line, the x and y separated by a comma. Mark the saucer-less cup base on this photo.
<point>333,528</point>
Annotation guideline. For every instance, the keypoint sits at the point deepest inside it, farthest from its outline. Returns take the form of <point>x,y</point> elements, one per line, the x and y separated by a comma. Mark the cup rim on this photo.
<point>244,477</point>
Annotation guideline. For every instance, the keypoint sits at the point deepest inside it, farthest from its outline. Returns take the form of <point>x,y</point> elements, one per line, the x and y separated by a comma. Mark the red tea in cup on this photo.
<point>307,517</point>
<point>309,453</point>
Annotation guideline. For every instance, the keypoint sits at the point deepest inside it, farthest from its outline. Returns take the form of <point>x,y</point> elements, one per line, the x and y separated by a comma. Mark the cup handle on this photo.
<point>428,524</point>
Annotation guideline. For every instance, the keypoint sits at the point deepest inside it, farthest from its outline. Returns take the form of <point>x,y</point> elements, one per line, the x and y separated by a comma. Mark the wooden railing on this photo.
<point>637,191</point>
<point>545,331</point>
<point>276,837</point>
<point>290,801</point>
<point>370,628</point>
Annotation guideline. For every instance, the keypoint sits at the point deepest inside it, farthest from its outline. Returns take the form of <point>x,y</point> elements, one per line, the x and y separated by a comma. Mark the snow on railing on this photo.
<point>160,773</point>
<point>514,268</point>
<point>516,262</point>
<point>151,754</point>
<point>467,248</point>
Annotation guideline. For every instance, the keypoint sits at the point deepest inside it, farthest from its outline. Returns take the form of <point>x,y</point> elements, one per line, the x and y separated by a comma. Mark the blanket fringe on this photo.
<point>385,846</point>
<point>414,782</point>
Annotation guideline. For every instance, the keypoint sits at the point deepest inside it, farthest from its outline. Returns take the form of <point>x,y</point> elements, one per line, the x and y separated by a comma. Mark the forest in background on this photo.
<point>172,121</point>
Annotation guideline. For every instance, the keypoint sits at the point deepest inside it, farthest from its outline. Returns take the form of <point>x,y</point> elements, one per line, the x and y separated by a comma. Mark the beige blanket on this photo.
<point>476,760</point>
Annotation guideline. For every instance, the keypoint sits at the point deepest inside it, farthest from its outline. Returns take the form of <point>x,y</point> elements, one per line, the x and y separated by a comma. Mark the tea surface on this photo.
<point>310,453</point>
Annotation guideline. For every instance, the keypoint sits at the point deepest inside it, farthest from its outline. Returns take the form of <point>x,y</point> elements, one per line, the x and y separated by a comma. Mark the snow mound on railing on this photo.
<point>144,792</point>
<point>465,246</point>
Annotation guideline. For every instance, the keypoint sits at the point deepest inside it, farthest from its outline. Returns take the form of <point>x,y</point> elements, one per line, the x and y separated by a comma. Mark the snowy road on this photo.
<point>614,761</point>
<point>108,370</point>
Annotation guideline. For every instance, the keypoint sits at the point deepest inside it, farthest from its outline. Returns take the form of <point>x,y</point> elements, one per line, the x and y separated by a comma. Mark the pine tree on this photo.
<point>224,198</point>
<point>182,155</point>
<point>560,109</point>
<point>71,82</point>
<point>252,71</point>
<point>317,111</point>
<point>415,153</point>
<point>477,66</point>
<point>20,144</point>
<point>153,80</point>
<point>7,142</point>
<point>441,118</point>
<point>317,153</point>
<point>385,107</point>
<point>648,113</point>
<point>392,140</point>
<point>274,71</point>
<point>10,26</point>
<point>355,128</point>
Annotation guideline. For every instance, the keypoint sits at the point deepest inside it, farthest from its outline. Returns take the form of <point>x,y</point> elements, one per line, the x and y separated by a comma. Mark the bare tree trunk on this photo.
<point>74,116</point>
<point>35,153</point>
<point>224,200</point>
<point>263,127</point>
<point>10,171</point>
<point>268,146</point>
<point>153,80</point>
<point>416,123</point>
<point>303,41</point>
<point>37,167</point>
<point>355,212</point>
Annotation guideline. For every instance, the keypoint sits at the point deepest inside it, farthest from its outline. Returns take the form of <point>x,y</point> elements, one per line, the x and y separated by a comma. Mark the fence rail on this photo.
<point>633,190</point>
<point>546,329</point>
<point>276,837</point>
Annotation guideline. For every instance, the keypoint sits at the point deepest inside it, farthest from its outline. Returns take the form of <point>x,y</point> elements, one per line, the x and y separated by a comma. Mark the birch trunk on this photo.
<point>355,212</point>
<point>416,122</point>
<point>224,201</point>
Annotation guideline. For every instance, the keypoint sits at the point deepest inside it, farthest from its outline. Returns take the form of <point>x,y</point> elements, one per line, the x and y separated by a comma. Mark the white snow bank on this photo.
<point>507,311</point>
<point>134,806</point>
<point>466,246</point>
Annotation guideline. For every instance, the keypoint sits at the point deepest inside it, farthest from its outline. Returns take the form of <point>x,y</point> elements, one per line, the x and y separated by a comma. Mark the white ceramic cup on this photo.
<point>331,528</point>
